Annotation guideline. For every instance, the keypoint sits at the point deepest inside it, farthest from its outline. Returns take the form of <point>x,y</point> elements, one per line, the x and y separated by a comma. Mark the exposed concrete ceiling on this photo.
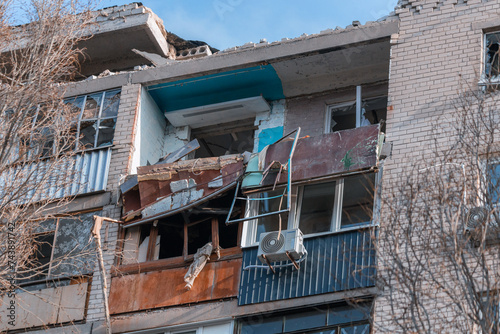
<point>341,68</point>
<point>113,51</point>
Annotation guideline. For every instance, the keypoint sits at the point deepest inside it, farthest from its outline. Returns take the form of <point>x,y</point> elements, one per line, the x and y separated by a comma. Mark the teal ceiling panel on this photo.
<point>215,88</point>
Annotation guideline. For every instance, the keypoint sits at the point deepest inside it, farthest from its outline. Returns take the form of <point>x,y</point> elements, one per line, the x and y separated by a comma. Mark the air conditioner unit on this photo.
<point>275,248</point>
<point>477,221</point>
<point>476,218</point>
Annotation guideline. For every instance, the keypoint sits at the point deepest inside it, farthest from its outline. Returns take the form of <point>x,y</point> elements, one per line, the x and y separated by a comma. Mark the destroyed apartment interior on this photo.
<point>233,191</point>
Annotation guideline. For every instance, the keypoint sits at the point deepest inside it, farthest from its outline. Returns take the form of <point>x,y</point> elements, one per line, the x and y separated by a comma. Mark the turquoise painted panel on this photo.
<point>253,175</point>
<point>216,88</point>
<point>269,136</point>
<point>336,262</point>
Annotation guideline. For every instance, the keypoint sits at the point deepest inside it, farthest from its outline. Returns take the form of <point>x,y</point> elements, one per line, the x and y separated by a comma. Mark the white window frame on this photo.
<point>483,79</point>
<point>358,102</point>
<point>249,234</point>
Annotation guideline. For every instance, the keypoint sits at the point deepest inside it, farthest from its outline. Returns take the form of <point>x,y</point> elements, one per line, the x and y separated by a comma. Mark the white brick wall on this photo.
<point>437,53</point>
<point>120,165</point>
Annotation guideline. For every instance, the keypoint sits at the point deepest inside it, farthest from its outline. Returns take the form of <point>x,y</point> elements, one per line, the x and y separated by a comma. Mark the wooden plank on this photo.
<point>178,154</point>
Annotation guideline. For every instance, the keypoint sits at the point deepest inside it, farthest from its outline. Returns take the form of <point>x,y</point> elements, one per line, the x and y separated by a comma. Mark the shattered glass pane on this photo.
<point>106,132</point>
<point>111,104</point>
<point>87,134</point>
<point>374,110</point>
<point>92,106</point>
<point>343,117</point>
<point>76,104</point>
<point>492,66</point>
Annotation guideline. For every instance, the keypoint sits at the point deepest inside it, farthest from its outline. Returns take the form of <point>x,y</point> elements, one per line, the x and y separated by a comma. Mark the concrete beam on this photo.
<point>267,53</point>
<point>349,38</point>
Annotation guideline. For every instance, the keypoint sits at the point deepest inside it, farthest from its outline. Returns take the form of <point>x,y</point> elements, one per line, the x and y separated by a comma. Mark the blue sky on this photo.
<point>227,23</point>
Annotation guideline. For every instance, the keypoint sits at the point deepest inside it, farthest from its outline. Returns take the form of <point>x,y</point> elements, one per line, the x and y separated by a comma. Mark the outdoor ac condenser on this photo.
<point>275,249</point>
<point>478,219</point>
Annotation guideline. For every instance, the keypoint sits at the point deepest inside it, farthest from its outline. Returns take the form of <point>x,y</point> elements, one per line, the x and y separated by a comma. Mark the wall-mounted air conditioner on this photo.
<point>274,246</point>
<point>479,219</point>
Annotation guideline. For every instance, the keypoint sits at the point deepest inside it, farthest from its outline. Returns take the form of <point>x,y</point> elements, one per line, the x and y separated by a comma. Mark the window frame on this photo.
<point>484,79</point>
<point>326,310</point>
<point>97,119</point>
<point>249,233</point>
<point>176,260</point>
<point>357,103</point>
<point>48,274</point>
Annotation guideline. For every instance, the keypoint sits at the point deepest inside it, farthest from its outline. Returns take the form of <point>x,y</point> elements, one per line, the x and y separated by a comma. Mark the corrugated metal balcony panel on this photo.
<point>335,262</point>
<point>88,172</point>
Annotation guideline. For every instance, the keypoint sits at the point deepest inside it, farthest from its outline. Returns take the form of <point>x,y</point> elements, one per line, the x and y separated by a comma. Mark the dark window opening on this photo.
<point>343,117</point>
<point>171,233</point>
<point>228,235</point>
<point>224,139</point>
<point>39,260</point>
<point>183,234</point>
<point>199,235</point>
<point>491,63</point>
<point>317,208</point>
<point>372,111</point>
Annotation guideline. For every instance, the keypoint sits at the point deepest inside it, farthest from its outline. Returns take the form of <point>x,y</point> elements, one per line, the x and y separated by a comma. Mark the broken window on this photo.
<point>61,248</point>
<point>97,121</point>
<point>491,64</point>
<point>316,208</point>
<point>225,139</point>
<point>361,112</point>
<point>340,318</point>
<point>181,235</point>
<point>39,260</point>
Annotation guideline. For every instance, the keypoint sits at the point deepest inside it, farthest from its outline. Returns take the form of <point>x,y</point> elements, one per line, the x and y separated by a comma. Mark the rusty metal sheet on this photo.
<point>144,291</point>
<point>150,190</point>
<point>328,154</point>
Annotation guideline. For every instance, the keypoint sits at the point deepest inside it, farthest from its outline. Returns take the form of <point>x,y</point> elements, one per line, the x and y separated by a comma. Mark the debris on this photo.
<point>157,60</point>
<point>201,257</point>
<point>180,153</point>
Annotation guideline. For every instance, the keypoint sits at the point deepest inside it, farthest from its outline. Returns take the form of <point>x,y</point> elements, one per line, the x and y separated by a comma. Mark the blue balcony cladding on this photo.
<point>335,262</point>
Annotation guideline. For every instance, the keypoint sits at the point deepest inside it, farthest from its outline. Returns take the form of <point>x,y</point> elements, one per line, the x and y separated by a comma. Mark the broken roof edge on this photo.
<point>327,32</point>
<point>168,213</point>
<point>223,61</point>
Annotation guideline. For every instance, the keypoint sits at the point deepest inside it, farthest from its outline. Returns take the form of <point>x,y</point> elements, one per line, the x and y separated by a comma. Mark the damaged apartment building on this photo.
<point>241,188</point>
<point>289,132</point>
